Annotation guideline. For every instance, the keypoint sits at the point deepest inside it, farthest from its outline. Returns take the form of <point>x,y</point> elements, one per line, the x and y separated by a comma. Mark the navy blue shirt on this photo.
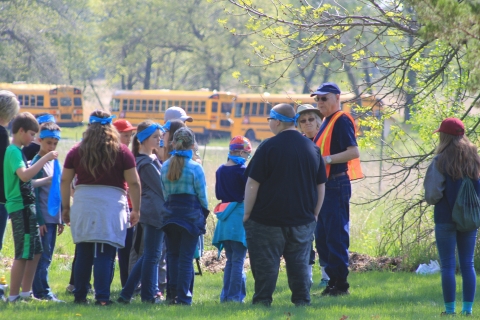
<point>343,136</point>
<point>288,167</point>
<point>230,184</point>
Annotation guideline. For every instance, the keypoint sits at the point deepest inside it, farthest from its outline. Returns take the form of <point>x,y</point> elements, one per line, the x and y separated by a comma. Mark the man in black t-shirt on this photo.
<point>283,197</point>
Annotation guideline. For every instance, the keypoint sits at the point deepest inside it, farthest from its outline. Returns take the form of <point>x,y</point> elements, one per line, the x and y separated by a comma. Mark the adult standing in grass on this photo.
<point>283,196</point>
<point>456,158</point>
<point>99,219</point>
<point>186,205</point>
<point>337,142</point>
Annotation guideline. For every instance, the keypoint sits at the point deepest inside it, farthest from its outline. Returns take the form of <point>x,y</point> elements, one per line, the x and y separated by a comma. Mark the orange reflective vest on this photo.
<point>324,142</point>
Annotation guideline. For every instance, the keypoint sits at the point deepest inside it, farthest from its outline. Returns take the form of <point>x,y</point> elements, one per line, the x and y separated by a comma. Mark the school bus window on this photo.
<point>53,102</point>
<point>247,109</point>
<point>254,108</point>
<point>26,100</point>
<point>175,103</point>
<point>32,101</point>
<point>164,105</point>
<point>131,105</point>
<point>137,105</point>
<point>40,101</point>
<point>20,99</point>
<point>125,105</point>
<point>77,102</point>
<point>196,105</point>
<point>214,107</point>
<point>115,104</point>
<point>189,106</point>
<point>183,105</point>
<point>238,110</point>
<point>261,111</point>
<point>150,105</point>
<point>202,107</point>
<point>170,103</point>
<point>226,107</point>
<point>269,108</point>
<point>144,105</point>
<point>157,105</point>
<point>66,102</point>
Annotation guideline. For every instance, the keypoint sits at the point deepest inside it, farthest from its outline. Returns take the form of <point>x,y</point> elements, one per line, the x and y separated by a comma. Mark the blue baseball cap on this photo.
<point>327,87</point>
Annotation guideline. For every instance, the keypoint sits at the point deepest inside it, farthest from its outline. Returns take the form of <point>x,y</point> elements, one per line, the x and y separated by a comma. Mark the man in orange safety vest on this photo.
<point>337,142</point>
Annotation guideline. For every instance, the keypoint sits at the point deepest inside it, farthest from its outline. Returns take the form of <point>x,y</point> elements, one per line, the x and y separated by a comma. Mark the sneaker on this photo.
<point>327,291</point>
<point>155,300</point>
<point>323,283</point>
<point>449,314</point>
<point>52,298</point>
<point>466,313</point>
<point>2,295</point>
<point>103,303</point>
<point>81,301</point>
<point>28,298</point>
<point>70,288</point>
<point>122,300</point>
<point>160,296</point>
<point>335,292</point>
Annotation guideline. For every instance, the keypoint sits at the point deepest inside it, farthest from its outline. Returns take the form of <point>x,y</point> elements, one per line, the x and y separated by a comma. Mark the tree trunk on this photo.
<point>148,71</point>
<point>130,82</point>
<point>123,82</point>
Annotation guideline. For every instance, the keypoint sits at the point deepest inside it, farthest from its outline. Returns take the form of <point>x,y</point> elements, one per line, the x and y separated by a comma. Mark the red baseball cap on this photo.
<point>123,125</point>
<point>452,126</point>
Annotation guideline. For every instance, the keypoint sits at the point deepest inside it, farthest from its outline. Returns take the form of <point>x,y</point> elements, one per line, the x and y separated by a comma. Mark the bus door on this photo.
<point>64,103</point>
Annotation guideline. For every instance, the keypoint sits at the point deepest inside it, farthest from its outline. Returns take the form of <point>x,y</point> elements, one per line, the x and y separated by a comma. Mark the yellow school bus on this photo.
<point>250,111</point>
<point>210,110</point>
<point>64,102</point>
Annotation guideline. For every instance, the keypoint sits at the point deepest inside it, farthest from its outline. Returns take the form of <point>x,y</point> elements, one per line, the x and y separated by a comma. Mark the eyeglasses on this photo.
<point>268,119</point>
<point>309,120</point>
<point>317,98</point>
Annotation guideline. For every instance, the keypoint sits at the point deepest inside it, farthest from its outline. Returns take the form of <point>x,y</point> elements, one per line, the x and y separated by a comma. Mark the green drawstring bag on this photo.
<point>466,211</point>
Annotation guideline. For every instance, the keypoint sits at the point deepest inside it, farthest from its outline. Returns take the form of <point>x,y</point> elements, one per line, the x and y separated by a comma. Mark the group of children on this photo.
<point>174,207</point>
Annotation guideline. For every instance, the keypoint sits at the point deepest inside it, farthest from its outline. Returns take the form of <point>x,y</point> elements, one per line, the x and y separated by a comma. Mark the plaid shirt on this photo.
<point>192,181</point>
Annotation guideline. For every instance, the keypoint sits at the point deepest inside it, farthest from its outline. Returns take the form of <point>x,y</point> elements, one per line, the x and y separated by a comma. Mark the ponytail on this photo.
<point>135,146</point>
<point>176,164</point>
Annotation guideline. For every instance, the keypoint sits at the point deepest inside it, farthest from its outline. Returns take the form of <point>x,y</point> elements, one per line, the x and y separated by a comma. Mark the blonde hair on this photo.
<point>9,105</point>
<point>100,145</point>
<point>183,139</point>
<point>457,157</point>
<point>136,143</point>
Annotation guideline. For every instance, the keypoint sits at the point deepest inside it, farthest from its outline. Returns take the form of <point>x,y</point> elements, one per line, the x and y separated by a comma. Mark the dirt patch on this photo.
<point>358,262</point>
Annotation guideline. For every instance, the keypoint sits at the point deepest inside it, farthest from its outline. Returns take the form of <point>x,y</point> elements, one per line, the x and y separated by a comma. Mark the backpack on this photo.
<point>466,210</point>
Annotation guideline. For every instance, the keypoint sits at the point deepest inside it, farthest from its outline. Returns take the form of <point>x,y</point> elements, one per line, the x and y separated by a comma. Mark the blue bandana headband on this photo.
<point>50,134</point>
<point>46,118</point>
<point>277,116</point>
<point>143,135</point>
<point>102,121</point>
<point>182,153</point>
<point>166,126</point>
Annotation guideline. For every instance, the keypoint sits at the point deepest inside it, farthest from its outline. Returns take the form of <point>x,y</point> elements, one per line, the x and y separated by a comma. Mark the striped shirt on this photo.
<point>192,181</point>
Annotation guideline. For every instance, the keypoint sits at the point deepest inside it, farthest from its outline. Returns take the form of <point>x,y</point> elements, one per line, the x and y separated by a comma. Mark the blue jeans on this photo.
<point>146,268</point>
<point>124,257</point>
<point>266,244</point>
<point>102,257</point>
<point>3,223</point>
<point>40,287</point>
<point>234,278</point>
<point>180,252</point>
<point>448,238</point>
<point>332,235</point>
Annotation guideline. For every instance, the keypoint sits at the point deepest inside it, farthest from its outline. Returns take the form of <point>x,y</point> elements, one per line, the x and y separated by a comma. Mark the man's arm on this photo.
<point>321,196</point>
<point>351,153</point>
<point>251,190</point>
<point>26,174</point>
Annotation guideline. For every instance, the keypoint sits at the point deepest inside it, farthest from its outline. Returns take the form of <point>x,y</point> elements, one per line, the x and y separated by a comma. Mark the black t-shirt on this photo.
<point>343,136</point>
<point>31,150</point>
<point>288,167</point>
<point>4,143</point>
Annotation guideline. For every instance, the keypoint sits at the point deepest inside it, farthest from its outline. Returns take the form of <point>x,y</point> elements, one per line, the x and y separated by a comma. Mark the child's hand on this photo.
<point>60,229</point>
<point>43,230</point>
<point>52,155</point>
<point>134,217</point>
<point>66,216</point>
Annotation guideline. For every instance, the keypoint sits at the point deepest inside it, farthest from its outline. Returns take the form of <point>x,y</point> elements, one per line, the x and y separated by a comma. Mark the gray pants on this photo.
<point>266,244</point>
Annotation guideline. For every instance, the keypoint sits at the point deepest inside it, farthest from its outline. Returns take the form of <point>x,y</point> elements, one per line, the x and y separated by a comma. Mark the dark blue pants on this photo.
<point>448,238</point>
<point>124,257</point>
<point>180,252</point>
<point>332,235</point>
<point>146,268</point>
<point>41,288</point>
<point>234,278</point>
<point>266,244</point>
<point>3,223</point>
<point>102,257</point>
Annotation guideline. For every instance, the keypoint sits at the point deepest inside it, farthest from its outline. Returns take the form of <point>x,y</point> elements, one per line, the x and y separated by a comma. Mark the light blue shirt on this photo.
<point>192,181</point>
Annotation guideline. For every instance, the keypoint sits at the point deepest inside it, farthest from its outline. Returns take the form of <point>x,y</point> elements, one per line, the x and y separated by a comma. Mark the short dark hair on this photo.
<point>51,126</point>
<point>26,121</point>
